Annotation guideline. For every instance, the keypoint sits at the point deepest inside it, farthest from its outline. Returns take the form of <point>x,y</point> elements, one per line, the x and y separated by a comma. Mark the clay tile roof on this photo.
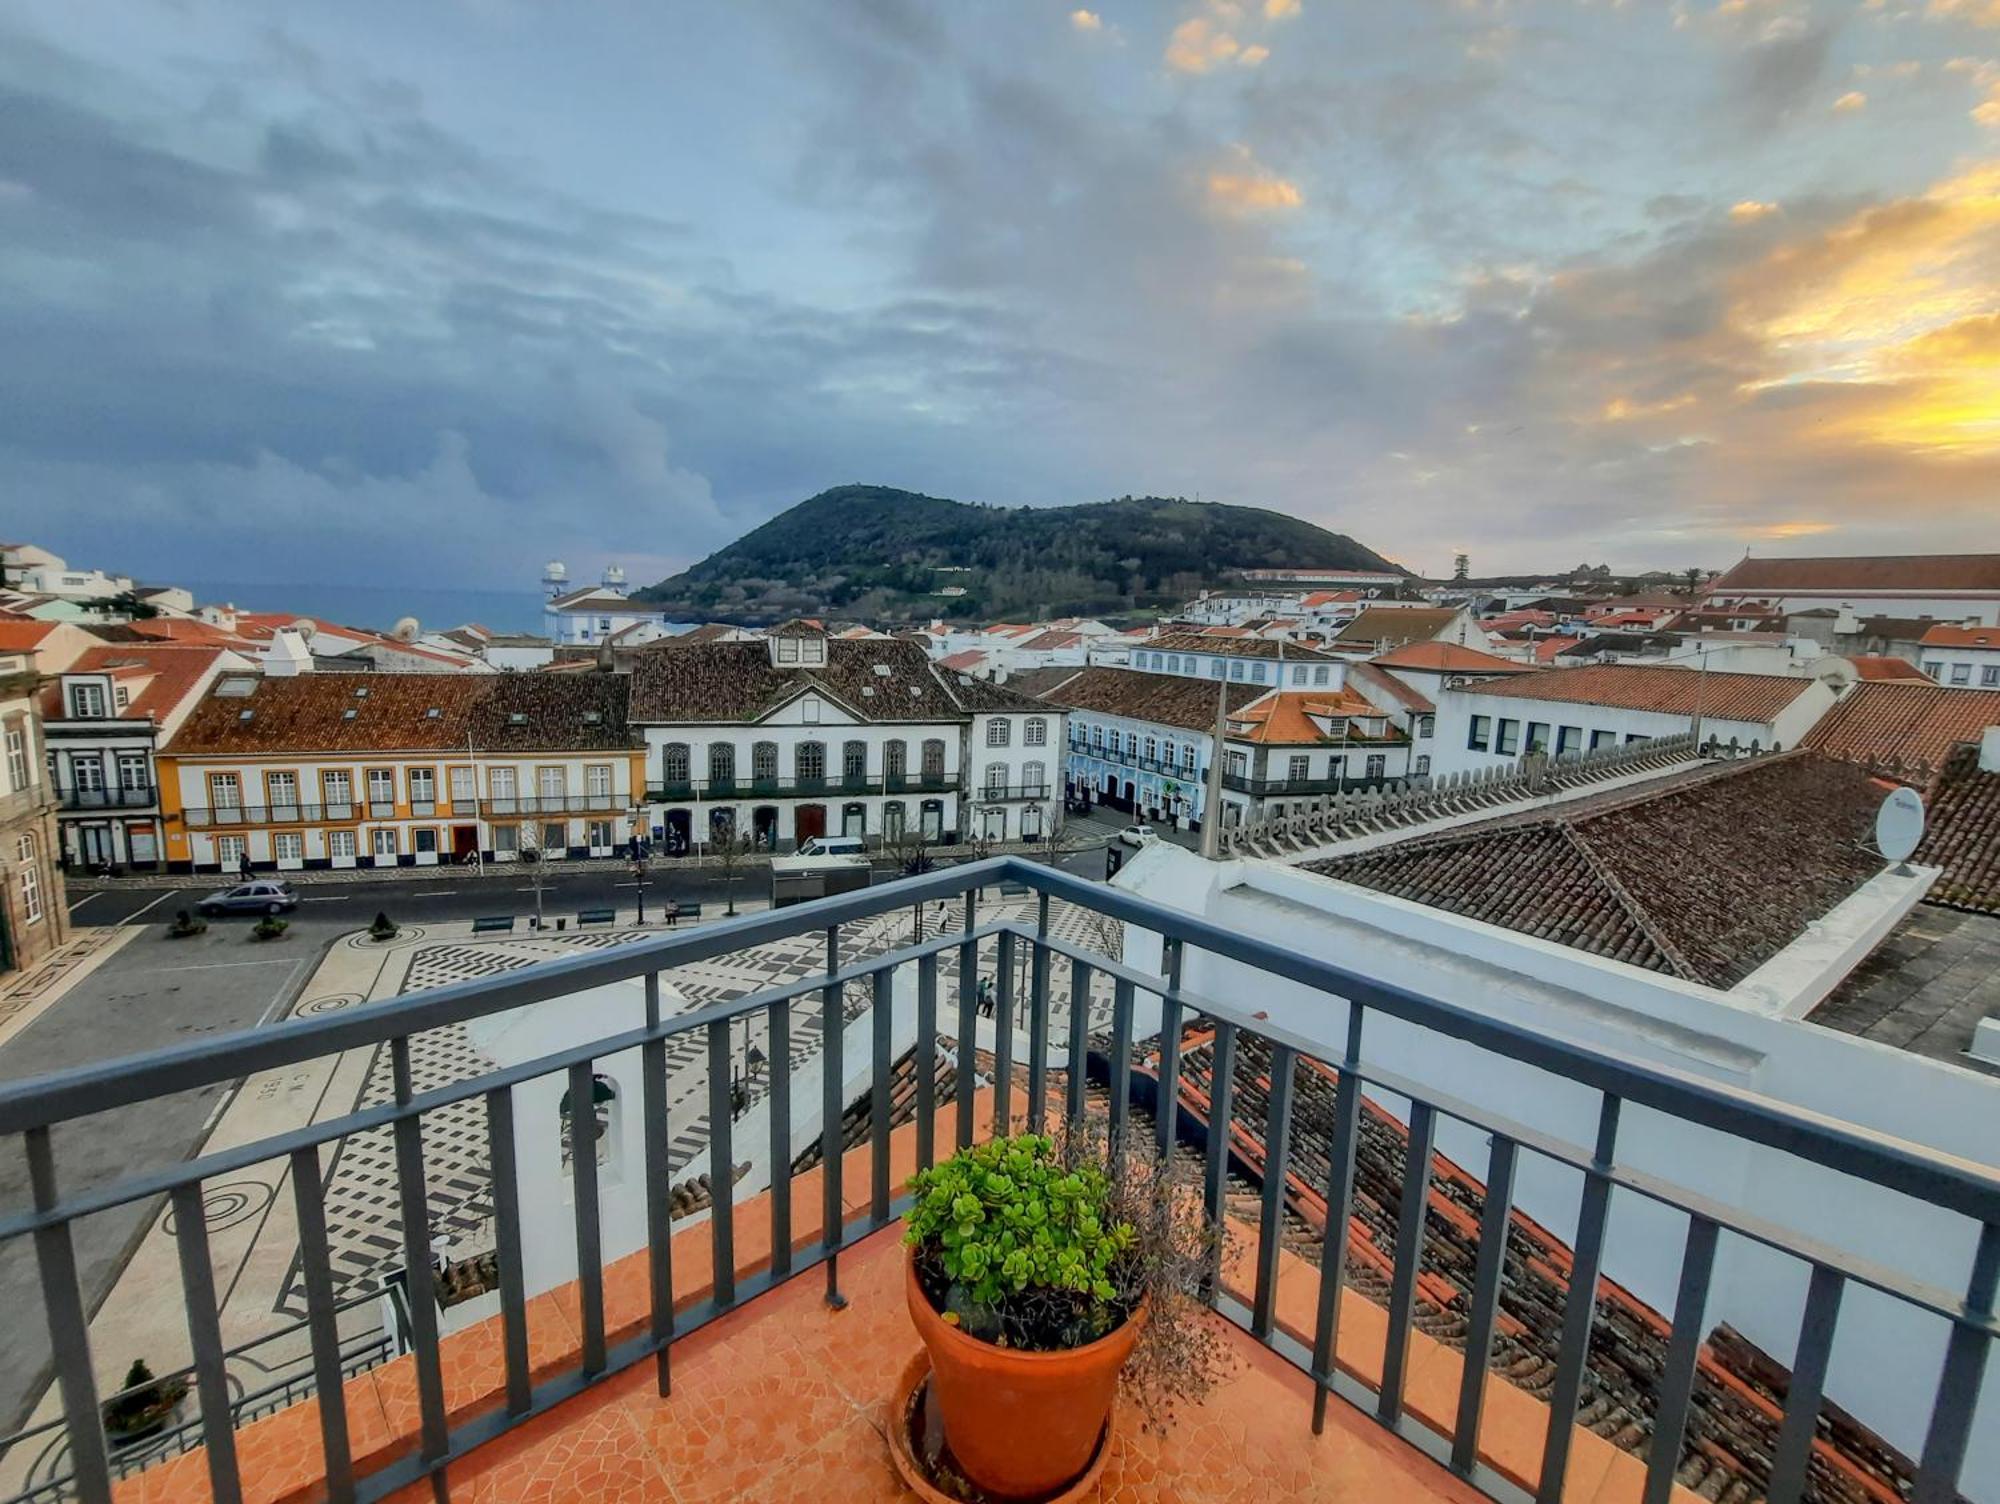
<point>173,671</point>
<point>1979,572</point>
<point>1285,719</point>
<point>1875,666</point>
<point>1962,834</point>
<point>559,713</point>
<point>1389,684</point>
<point>1397,624</point>
<point>963,662</point>
<point>1880,724</point>
<point>23,636</point>
<point>1655,687</point>
<point>1548,648</point>
<point>716,682</point>
<point>1447,658</point>
<point>1244,646</point>
<point>1169,699</point>
<point>798,626</point>
<point>1051,641</point>
<point>1946,636</point>
<point>1678,881</point>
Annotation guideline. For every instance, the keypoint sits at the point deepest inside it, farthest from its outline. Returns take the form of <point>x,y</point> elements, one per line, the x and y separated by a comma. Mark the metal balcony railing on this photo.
<point>667,792</point>
<point>1262,1097</point>
<point>1008,793</point>
<point>120,798</point>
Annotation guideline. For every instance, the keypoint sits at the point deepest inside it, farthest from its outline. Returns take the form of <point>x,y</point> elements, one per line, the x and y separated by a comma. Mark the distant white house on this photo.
<point>591,614</point>
<point>1968,657</point>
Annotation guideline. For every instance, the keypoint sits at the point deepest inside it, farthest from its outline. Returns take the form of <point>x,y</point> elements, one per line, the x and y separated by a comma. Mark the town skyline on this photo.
<point>1662,282</point>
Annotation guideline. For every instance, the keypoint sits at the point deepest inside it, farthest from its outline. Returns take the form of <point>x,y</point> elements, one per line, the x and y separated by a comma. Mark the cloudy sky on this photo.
<point>389,293</point>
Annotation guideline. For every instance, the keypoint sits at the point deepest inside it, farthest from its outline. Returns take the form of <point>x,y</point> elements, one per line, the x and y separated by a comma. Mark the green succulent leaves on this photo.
<point>1005,1217</point>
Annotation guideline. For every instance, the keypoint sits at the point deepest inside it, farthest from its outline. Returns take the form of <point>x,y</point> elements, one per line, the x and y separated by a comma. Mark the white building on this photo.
<point>1240,660</point>
<point>36,571</point>
<point>1946,587</point>
<point>798,735</point>
<point>1962,657</point>
<point>1568,710</point>
<point>593,613</point>
<point>103,719</point>
<point>1142,743</point>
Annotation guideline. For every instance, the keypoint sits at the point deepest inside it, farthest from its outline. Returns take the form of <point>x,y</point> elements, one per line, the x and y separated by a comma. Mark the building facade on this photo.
<point>1570,710</point>
<point>103,720</point>
<point>339,771</point>
<point>1961,657</point>
<point>1962,588</point>
<point>34,916</point>
<point>801,735</point>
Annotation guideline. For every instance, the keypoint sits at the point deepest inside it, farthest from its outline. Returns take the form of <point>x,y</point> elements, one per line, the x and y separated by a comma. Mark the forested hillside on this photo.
<point>877,554</point>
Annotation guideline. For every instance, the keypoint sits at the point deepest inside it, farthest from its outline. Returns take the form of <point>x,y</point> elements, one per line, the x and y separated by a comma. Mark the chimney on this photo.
<point>287,656</point>
<point>1989,750</point>
<point>1845,622</point>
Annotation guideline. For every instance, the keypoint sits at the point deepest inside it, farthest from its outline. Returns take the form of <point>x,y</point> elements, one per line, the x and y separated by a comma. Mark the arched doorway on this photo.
<point>764,826</point>
<point>678,827</point>
<point>808,821</point>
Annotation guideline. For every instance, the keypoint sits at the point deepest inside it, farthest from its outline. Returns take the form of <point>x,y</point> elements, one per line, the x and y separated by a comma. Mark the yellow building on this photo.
<point>323,770</point>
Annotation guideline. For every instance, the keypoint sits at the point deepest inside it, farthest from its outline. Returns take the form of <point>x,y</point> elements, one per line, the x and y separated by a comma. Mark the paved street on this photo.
<point>455,894</point>
<point>152,993</point>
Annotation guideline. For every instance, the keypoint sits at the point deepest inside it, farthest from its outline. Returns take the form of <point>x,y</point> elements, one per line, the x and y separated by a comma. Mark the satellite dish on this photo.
<point>1899,825</point>
<point>305,627</point>
<point>405,629</point>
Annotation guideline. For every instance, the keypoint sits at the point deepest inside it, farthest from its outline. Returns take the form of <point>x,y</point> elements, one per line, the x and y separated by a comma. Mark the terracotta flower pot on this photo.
<point>1021,1424</point>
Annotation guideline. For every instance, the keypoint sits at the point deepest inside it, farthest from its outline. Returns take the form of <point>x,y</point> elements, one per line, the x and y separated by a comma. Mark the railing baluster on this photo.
<point>1079,1037</point>
<point>1802,1395</point>
<point>1038,1021</point>
<point>1277,1164</point>
<point>1580,1309</point>
<point>1339,1208</point>
<point>659,1194</point>
<point>1221,1103</point>
<point>833,1106</point>
<point>1003,1036</point>
<point>69,1331</point>
<point>218,1431</point>
<point>1409,1258</point>
<point>589,1231</point>
<point>316,1273</point>
<point>927,979</point>
<point>1495,1217</point>
<point>721,1163</point>
<point>419,1281</point>
<point>882,1038</point>
<point>968,1024</point>
<point>778,1054</point>
<point>1166,1114</point>
<point>1121,1061</point>
<point>1959,1380</point>
<point>501,1157</point>
<point>1683,1348</point>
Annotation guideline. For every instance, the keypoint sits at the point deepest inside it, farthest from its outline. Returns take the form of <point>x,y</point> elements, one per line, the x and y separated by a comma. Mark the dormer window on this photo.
<point>798,645</point>
<point>86,701</point>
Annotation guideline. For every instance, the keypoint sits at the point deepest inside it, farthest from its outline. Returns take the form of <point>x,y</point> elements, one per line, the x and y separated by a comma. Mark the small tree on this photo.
<point>1057,842</point>
<point>910,850</point>
<point>730,849</point>
<point>972,830</point>
<point>384,928</point>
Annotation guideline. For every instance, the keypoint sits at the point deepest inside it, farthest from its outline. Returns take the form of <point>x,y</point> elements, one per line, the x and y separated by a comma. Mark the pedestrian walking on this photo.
<point>243,867</point>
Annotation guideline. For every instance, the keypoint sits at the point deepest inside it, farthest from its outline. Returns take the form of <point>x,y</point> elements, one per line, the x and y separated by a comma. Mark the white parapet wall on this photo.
<point>1886,1357</point>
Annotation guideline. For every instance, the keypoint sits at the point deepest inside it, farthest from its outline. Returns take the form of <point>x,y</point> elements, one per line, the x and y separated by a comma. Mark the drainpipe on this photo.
<point>1211,823</point>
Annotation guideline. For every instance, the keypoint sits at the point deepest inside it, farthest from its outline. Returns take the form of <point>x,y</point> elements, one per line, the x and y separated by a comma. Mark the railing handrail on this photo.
<point>1895,1163</point>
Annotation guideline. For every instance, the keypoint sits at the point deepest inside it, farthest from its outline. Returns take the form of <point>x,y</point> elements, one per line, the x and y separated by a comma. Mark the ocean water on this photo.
<point>380,606</point>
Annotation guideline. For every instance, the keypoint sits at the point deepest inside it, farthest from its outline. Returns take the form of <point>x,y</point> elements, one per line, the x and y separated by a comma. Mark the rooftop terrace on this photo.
<point>704,1360</point>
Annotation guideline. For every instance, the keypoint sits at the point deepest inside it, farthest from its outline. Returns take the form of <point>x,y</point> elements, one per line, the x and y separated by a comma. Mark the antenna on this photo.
<point>1899,827</point>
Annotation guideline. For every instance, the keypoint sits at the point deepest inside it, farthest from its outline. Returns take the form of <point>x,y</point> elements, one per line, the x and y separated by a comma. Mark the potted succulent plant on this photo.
<point>1042,1272</point>
<point>270,927</point>
<point>186,925</point>
<point>143,1404</point>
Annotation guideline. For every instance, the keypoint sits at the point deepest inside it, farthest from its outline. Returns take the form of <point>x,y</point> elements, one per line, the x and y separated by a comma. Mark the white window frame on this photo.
<point>999,732</point>
<point>342,846</point>
<point>86,702</point>
<point>288,849</point>
<point>379,847</point>
<point>31,880</point>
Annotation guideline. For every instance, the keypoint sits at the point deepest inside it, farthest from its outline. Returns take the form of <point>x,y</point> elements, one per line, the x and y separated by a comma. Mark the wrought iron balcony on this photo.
<point>689,790</point>
<point>144,797</point>
<point>1242,1112</point>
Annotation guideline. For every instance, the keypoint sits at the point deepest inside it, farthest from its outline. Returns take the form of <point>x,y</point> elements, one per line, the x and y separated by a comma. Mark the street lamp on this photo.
<point>639,877</point>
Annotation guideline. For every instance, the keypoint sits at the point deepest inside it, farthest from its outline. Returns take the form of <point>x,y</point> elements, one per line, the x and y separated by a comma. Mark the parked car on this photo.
<point>1137,835</point>
<point>833,846</point>
<point>267,896</point>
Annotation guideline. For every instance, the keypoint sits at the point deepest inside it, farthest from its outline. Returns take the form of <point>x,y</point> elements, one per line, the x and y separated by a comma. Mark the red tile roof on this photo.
<point>1677,881</point>
<point>963,662</point>
<point>1548,648</point>
<point>1880,724</point>
<point>1286,718</point>
<point>1962,834</point>
<point>1876,666</point>
<point>1944,635</point>
<point>23,636</point>
<point>1653,687</point>
<point>175,670</point>
<point>1446,658</point>
<point>1913,572</point>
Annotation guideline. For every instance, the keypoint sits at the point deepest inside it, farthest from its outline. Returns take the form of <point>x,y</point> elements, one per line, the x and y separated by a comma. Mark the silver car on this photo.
<point>266,896</point>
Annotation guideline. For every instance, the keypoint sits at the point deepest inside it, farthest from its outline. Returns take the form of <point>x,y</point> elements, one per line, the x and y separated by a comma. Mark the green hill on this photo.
<point>881,555</point>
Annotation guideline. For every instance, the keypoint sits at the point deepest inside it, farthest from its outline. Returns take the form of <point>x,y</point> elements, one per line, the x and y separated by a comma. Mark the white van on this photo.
<point>834,846</point>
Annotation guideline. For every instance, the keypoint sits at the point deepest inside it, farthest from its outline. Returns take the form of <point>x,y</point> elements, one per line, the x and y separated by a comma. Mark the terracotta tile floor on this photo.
<point>785,1399</point>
